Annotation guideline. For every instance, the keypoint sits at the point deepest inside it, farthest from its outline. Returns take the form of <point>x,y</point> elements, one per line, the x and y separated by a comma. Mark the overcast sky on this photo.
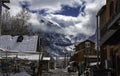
<point>75,16</point>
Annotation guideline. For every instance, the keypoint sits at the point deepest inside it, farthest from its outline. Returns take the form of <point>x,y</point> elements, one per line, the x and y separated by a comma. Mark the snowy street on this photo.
<point>57,72</point>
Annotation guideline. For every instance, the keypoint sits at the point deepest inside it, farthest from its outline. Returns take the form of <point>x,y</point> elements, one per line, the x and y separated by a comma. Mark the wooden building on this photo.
<point>20,43</point>
<point>47,62</point>
<point>85,44</point>
<point>83,49</point>
<point>85,54</point>
<point>20,50</point>
<point>109,22</point>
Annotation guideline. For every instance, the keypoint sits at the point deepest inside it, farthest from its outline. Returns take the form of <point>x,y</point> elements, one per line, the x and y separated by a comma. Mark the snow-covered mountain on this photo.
<point>93,37</point>
<point>54,42</point>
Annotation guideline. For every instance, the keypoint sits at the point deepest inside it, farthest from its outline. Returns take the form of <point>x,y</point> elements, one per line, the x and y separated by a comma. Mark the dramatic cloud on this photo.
<point>74,16</point>
<point>73,20</point>
<point>85,24</point>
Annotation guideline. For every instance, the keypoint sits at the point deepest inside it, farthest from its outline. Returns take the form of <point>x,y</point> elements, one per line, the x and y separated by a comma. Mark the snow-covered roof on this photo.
<point>61,58</point>
<point>46,58</point>
<point>29,57</point>
<point>22,55</point>
<point>93,63</point>
<point>9,43</point>
<point>1,49</point>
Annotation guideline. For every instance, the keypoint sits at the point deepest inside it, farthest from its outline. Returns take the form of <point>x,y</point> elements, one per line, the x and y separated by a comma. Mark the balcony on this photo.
<point>109,29</point>
<point>114,22</point>
<point>106,36</point>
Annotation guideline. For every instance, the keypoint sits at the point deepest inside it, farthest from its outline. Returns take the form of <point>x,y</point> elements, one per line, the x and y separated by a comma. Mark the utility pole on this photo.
<point>2,4</point>
<point>0,16</point>
<point>98,40</point>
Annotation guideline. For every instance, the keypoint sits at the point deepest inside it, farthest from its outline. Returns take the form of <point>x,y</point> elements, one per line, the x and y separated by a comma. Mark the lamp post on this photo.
<point>0,16</point>
<point>98,39</point>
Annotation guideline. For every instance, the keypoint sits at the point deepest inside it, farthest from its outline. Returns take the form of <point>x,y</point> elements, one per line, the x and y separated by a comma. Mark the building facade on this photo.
<point>109,21</point>
<point>84,55</point>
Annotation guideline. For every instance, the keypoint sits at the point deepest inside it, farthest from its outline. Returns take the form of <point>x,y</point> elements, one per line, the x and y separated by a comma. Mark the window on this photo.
<point>87,44</point>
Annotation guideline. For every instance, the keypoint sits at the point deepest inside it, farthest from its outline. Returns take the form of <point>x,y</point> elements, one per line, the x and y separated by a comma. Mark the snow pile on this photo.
<point>21,74</point>
<point>18,74</point>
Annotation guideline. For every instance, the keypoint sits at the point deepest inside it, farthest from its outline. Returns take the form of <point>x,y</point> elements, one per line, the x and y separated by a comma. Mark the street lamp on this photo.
<point>98,39</point>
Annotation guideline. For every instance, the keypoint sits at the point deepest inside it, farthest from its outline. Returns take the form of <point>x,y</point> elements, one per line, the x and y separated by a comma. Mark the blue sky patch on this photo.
<point>66,9</point>
<point>24,4</point>
<point>42,12</point>
<point>33,11</point>
<point>69,11</point>
<point>73,11</point>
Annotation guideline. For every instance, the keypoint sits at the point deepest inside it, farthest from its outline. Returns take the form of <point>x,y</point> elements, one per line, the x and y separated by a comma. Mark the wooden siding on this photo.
<point>103,19</point>
<point>82,45</point>
<point>81,50</point>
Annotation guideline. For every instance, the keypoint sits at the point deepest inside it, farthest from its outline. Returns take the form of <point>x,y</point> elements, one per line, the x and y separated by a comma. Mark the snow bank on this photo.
<point>18,74</point>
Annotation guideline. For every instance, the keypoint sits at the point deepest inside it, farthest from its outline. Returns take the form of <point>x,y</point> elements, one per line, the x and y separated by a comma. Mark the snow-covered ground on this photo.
<point>18,74</point>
